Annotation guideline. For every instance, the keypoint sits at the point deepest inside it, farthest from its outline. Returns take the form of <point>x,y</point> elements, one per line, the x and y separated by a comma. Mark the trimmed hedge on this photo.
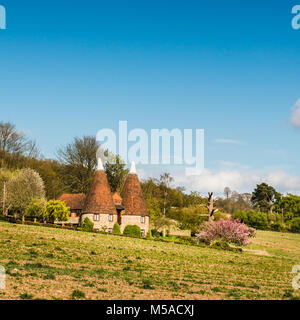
<point>117,229</point>
<point>133,231</point>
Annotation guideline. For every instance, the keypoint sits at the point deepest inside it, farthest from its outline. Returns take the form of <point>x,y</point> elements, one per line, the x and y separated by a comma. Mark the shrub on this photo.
<point>231,231</point>
<point>132,230</point>
<point>116,229</point>
<point>155,233</point>
<point>278,226</point>
<point>295,225</point>
<point>240,215</point>
<point>87,225</point>
<point>258,220</point>
<point>220,215</point>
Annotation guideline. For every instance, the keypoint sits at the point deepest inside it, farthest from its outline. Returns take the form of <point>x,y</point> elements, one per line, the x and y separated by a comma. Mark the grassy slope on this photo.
<point>50,264</point>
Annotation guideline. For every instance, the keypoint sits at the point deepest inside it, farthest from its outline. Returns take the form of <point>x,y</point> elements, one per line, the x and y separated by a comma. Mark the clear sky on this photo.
<point>70,67</point>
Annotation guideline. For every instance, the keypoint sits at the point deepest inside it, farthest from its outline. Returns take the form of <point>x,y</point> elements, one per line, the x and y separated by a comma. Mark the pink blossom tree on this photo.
<point>232,231</point>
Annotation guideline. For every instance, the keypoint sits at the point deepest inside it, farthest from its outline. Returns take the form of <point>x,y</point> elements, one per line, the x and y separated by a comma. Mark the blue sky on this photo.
<point>70,68</point>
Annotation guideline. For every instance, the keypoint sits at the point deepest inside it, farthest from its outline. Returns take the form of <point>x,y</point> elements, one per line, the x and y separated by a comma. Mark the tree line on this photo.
<point>73,170</point>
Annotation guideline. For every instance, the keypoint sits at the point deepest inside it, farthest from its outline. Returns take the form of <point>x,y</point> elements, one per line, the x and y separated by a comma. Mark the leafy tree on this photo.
<point>115,173</point>
<point>295,225</point>
<point>263,197</point>
<point>87,225</point>
<point>57,211</point>
<point>36,208</point>
<point>288,206</point>
<point>22,188</point>
<point>193,199</point>
<point>116,229</point>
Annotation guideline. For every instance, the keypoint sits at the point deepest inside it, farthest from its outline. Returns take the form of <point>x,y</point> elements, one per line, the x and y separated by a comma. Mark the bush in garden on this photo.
<point>232,231</point>
<point>116,229</point>
<point>132,230</point>
<point>87,225</point>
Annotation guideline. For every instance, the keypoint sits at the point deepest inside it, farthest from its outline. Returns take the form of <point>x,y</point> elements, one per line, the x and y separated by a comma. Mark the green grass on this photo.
<point>48,263</point>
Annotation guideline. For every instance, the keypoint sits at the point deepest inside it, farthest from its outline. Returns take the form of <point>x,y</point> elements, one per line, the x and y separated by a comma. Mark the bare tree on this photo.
<point>210,206</point>
<point>5,176</point>
<point>80,159</point>
<point>16,142</point>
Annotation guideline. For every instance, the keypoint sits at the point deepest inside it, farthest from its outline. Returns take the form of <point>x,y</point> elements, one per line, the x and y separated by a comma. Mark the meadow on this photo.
<point>46,263</point>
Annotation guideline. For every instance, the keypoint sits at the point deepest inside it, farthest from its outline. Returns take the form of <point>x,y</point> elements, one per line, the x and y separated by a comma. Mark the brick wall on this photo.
<point>135,220</point>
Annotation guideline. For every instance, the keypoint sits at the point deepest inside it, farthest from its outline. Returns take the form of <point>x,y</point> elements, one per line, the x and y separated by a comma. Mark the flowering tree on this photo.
<point>232,231</point>
<point>22,188</point>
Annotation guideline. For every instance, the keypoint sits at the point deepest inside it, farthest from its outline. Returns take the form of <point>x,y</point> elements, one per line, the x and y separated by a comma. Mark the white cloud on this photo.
<point>228,141</point>
<point>295,116</point>
<point>239,181</point>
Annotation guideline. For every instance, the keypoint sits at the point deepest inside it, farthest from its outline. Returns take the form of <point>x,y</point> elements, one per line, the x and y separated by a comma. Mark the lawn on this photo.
<point>46,263</point>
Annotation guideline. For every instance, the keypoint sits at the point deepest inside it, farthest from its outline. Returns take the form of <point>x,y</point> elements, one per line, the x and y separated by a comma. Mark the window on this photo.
<point>143,233</point>
<point>110,230</point>
<point>111,217</point>
<point>143,219</point>
<point>96,217</point>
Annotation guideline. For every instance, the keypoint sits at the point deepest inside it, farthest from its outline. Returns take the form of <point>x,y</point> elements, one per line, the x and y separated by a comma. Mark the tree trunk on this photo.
<point>4,199</point>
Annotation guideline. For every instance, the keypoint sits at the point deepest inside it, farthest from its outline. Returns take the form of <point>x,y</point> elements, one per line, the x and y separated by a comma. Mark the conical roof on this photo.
<point>99,199</point>
<point>132,196</point>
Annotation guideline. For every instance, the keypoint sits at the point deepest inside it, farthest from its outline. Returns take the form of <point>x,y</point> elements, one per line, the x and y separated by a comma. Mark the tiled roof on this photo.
<point>99,198</point>
<point>117,198</point>
<point>132,197</point>
<point>74,201</point>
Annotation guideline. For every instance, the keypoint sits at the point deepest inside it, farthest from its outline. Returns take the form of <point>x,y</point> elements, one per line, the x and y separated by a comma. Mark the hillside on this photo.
<point>45,263</point>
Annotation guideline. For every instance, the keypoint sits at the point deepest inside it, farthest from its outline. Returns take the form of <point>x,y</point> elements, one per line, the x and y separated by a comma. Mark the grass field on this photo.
<point>45,263</point>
